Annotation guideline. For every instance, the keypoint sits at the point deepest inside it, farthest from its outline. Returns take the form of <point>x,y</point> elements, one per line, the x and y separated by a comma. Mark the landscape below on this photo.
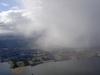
<point>16,52</point>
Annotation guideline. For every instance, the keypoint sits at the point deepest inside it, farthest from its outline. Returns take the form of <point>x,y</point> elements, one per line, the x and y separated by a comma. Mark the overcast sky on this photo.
<point>56,23</point>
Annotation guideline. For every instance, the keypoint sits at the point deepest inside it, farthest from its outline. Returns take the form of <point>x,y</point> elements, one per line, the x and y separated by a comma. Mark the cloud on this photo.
<point>4,4</point>
<point>15,7</point>
<point>10,20</point>
<point>56,23</point>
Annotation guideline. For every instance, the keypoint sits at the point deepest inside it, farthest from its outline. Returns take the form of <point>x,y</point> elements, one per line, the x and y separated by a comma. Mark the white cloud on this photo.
<point>15,7</point>
<point>4,4</point>
<point>65,23</point>
<point>57,23</point>
<point>10,20</point>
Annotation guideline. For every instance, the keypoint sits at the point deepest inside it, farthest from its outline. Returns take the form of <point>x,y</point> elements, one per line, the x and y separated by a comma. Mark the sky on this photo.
<point>53,23</point>
<point>8,4</point>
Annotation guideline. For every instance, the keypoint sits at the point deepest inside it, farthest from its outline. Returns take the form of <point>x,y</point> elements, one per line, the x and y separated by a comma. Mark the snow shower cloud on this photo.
<point>56,23</point>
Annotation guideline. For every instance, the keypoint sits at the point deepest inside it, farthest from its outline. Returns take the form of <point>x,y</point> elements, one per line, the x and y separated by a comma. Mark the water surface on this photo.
<point>84,66</point>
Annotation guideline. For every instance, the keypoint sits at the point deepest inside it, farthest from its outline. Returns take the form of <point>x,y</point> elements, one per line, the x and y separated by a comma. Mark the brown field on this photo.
<point>18,70</point>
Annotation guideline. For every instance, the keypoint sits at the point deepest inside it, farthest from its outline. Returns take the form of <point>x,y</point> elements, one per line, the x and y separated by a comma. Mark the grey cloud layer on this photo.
<point>58,23</point>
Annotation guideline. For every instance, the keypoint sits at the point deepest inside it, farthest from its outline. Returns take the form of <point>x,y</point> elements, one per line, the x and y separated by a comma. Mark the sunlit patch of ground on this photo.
<point>18,70</point>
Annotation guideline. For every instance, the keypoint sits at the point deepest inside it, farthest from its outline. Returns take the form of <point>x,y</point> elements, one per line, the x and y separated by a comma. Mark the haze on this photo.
<point>55,23</point>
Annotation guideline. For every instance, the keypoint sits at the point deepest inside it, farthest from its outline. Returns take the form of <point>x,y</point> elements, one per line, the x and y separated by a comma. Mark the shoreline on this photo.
<point>18,70</point>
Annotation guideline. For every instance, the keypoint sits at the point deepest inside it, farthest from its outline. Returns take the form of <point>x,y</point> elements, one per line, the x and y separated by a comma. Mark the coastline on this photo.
<point>18,70</point>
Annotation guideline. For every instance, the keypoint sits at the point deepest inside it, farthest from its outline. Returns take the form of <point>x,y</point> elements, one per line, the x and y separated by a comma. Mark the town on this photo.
<point>19,57</point>
<point>24,57</point>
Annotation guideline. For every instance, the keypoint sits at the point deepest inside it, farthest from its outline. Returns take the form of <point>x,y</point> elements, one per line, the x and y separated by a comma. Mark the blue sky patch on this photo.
<point>7,4</point>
